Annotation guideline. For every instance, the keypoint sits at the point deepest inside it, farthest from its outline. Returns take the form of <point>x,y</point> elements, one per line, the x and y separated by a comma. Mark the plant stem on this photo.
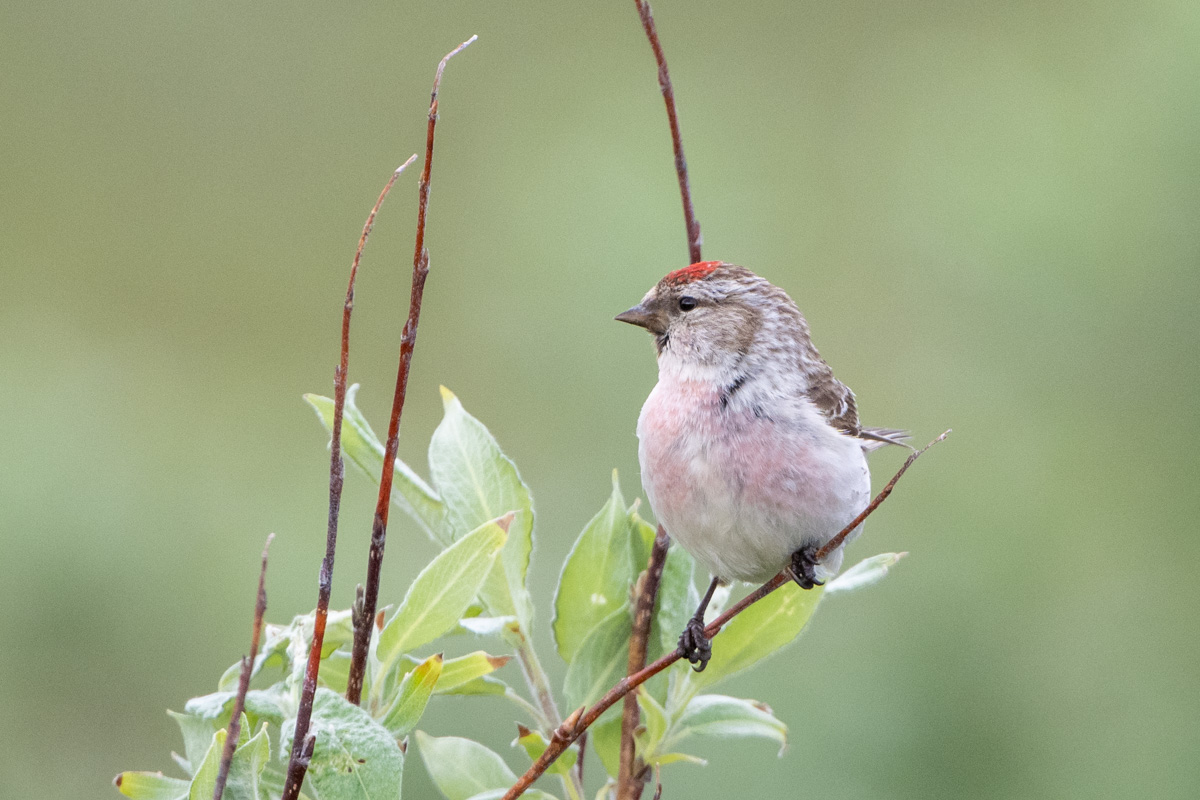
<point>630,774</point>
<point>239,703</point>
<point>364,622</point>
<point>694,239</point>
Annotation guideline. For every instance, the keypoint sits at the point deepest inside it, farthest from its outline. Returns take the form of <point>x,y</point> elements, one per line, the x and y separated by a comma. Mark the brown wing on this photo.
<point>836,402</point>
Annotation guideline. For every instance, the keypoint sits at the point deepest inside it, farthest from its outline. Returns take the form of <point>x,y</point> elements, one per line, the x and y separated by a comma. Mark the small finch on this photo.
<point>751,452</point>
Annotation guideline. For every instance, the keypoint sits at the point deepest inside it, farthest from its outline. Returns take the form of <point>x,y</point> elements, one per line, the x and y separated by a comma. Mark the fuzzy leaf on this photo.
<point>721,716</point>
<point>462,768</point>
<point>864,573</point>
<point>354,757</point>
<point>596,576</point>
<point>151,786</point>
<point>412,697</point>
<point>600,661</point>
<point>411,494</point>
<point>478,483</point>
<point>441,592</point>
<point>197,738</point>
<point>757,632</point>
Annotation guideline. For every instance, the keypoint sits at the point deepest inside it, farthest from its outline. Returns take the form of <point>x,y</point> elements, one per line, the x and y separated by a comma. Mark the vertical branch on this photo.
<point>302,742</point>
<point>239,703</point>
<point>694,239</point>
<point>632,771</point>
<point>365,615</point>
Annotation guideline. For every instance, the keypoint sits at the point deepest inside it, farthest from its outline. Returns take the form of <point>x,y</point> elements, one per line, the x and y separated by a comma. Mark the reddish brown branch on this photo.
<point>631,774</point>
<point>239,703</point>
<point>577,723</point>
<point>302,741</point>
<point>365,616</point>
<point>694,239</point>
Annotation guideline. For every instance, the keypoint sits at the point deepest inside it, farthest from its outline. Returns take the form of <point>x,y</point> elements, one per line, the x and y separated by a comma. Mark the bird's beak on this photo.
<point>642,317</point>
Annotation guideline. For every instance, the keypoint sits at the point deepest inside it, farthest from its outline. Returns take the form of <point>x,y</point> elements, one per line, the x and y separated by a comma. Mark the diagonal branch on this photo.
<point>365,614</point>
<point>239,703</point>
<point>577,723</point>
<point>694,239</point>
<point>302,742</point>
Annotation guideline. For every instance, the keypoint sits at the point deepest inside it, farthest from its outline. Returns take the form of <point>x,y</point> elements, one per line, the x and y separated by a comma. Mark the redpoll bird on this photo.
<point>751,452</point>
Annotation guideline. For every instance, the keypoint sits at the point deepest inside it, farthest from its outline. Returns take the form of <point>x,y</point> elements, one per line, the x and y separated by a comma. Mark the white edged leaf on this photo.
<point>864,573</point>
<point>721,716</point>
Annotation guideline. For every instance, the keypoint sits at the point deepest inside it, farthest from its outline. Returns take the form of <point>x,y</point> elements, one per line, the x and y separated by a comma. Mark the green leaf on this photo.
<point>441,592</point>
<point>245,769</point>
<point>465,670</point>
<point>354,757</point>
<point>462,768</point>
<point>757,632</point>
<point>721,716</point>
<point>654,726</point>
<point>478,483</point>
<point>151,786</point>
<point>864,573</point>
<point>262,705</point>
<point>411,494</point>
<point>600,661</point>
<point>596,576</point>
<point>412,697</point>
<point>535,744</point>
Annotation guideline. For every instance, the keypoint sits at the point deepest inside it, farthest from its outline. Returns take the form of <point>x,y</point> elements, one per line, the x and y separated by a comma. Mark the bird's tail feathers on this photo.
<point>875,438</point>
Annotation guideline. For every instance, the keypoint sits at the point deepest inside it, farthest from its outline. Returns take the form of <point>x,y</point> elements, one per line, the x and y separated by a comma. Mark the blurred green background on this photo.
<point>988,212</point>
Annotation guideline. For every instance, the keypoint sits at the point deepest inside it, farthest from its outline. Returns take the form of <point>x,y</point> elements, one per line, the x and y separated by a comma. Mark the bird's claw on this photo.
<point>695,645</point>
<point>804,567</point>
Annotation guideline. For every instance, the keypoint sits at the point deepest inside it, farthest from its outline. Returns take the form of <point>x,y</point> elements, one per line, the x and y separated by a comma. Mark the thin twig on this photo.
<point>631,774</point>
<point>577,723</point>
<point>408,339</point>
<point>694,239</point>
<point>239,703</point>
<point>836,541</point>
<point>303,742</point>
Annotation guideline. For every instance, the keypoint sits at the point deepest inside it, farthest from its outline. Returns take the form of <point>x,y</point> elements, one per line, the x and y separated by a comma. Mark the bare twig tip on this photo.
<point>406,164</point>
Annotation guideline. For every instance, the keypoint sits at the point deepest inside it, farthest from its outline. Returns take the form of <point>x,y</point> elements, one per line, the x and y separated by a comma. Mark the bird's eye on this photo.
<point>687,303</point>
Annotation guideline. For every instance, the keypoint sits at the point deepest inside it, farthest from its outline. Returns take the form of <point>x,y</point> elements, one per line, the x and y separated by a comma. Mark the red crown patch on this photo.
<point>694,272</point>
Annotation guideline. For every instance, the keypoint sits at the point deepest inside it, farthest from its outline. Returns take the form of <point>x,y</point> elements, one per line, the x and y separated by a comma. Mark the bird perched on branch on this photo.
<point>751,451</point>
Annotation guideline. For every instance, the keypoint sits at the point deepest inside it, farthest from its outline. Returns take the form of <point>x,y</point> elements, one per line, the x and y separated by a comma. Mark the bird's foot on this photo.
<point>804,567</point>
<point>695,646</point>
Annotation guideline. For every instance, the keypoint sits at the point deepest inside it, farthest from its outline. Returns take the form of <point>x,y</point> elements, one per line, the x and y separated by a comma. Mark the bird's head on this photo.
<point>709,315</point>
